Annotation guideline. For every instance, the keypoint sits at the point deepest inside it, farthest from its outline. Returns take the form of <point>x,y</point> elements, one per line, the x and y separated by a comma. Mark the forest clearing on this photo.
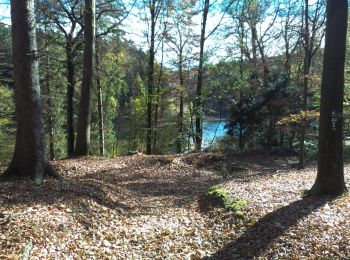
<point>148,207</point>
<point>174,129</point>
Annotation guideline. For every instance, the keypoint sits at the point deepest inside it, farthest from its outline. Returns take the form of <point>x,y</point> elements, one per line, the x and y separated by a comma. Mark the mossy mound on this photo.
<point>220,197</point>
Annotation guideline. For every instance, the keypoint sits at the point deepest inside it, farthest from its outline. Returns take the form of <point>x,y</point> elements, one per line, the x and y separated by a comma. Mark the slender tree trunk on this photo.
<point>51,132</point>
<point>241,75</point>
<point>291,140</point>
<point>84,120</point>
<point>49,103</point>
<point>158,98</point>
<point>70,97</point>
<point>181,105</point>
<point>254,40</point>
<point>150,83</point>
<point>29,157</point>
<point>198,101</point>
<point>281,141</point>
<point>100,104</point>
<point>330,167</point>
<point>270,130</point>
<point>241,137</point>
<point>306,71</point>
<point>155,130</point>
<point>192,121</point>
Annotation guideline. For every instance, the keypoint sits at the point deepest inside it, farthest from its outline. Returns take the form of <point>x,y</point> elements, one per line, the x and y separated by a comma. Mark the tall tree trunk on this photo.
<point>242,35</point>
<point>29,157</point>
<point>70,97</point>
<point>84,120</point>
<point>330,168</point>
<point>181,105</point>
<point>49,102</point>
<point>306,70</point>
<point>254,37</point>
<point>198,100</point>
<point>150,83</point>
<point>158,98</point>
<point>241,61</point>
<point>51,130</point>
<point>291,140</point>
<point>100,104</point>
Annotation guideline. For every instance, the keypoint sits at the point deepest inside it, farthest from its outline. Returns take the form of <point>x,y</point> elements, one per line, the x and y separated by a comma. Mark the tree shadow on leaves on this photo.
<point>53,192</point>
<point>258,238</point>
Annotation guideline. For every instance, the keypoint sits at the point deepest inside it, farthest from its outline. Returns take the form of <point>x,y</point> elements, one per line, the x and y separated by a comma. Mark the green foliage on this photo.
<point>53,86</point>
<point>7,124</point>
<point>218,196</point>
<point>310,148</point>
<point>263,103</point>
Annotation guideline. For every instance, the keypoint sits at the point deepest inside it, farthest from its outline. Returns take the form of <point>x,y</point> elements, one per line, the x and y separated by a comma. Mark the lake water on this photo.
<point>213,131</point>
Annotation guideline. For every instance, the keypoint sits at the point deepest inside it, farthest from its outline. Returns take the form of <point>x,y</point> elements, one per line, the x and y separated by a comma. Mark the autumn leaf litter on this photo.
<point>147,207</point>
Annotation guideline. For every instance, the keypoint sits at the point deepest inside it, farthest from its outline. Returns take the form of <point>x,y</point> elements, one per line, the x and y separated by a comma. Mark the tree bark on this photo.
<point>84,120</point>
<point>72,38</point>
<point>198,99</point>
<point>330,168</point>
<point>241,76</point>
<point>306,70</point>
<point>29,159</point>
<point>150,83</point>
<point>100,105</point>
<point>181,105</point>
<point>70,98</point>
<point>49,103</point>
<point>156,109</point>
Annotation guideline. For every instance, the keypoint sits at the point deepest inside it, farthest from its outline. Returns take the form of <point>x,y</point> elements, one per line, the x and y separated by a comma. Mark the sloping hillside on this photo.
<point>149,207</point>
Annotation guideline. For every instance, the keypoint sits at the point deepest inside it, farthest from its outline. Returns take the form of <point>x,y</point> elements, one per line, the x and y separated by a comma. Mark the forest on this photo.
<point>167,129</point>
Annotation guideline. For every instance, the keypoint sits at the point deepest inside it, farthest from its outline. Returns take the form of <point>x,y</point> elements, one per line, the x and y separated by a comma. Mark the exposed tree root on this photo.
<point>50,171</point>
<point>319,190</point>
<point>14,172</point>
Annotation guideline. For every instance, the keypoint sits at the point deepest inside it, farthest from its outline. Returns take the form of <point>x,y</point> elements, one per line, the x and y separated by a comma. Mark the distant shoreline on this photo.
<point>215,119</point>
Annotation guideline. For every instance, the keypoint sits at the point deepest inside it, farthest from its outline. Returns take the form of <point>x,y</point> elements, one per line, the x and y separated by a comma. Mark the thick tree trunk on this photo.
<point>150,83</point>
<point>84,120</point>
<point>100,105</point>
<point>330,170</point>
<point>29,156</point>
<point>198,100</point>
<point>70,97</point>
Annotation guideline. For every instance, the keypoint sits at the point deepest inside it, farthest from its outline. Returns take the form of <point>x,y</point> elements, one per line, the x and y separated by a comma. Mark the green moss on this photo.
<point>220,197</point>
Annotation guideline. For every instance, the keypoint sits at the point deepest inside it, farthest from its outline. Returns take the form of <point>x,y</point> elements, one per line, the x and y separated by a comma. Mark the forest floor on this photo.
<point>147,207</point>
